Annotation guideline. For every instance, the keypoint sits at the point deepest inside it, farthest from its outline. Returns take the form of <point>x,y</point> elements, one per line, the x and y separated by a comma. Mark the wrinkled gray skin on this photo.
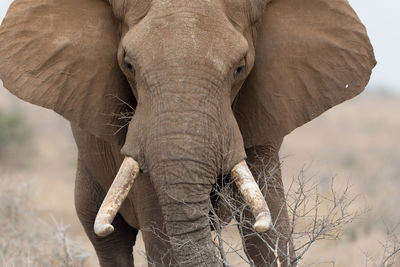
<point>211,81</point>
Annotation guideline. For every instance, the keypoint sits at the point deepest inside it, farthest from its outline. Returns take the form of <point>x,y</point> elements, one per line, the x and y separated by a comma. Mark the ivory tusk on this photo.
<point>115,197</point>
<point>252,195</point>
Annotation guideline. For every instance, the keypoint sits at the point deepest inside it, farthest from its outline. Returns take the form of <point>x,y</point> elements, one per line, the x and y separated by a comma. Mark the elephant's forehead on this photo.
<point>188,11</point>
<point>180,30</point>
<point>132,10</point>
<point>197,4</point>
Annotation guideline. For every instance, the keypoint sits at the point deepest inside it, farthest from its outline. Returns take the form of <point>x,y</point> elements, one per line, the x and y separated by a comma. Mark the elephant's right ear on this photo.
<point>62,55</point>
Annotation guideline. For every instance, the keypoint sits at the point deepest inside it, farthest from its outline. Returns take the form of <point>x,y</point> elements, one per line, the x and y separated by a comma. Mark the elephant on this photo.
<point>167,97</point>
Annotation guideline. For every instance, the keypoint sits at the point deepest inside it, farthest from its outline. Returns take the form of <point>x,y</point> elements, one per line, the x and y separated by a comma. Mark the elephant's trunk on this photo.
<point>185,206</point>
<point>183,156</point>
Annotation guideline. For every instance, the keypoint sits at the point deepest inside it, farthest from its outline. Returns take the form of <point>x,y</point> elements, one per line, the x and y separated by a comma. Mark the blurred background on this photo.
<point>356,142</point>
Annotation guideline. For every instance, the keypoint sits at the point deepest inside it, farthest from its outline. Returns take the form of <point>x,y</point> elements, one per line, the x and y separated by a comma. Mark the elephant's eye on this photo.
<point>127,63</point>
<point>239,70</point>
<point>129,66</point>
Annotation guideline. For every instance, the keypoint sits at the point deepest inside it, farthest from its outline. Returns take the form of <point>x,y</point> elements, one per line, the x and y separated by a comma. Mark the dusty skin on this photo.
<point>205,84</point>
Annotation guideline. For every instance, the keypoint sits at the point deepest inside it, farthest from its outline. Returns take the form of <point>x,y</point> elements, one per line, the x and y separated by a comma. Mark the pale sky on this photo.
<point>382,20</point>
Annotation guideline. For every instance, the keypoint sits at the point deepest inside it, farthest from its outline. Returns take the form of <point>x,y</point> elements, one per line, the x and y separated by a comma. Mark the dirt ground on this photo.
<point>357,141</point>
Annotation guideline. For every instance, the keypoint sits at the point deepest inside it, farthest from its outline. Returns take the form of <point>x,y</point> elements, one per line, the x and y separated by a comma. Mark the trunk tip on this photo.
<point>263,222</point>
<point>103,230</point>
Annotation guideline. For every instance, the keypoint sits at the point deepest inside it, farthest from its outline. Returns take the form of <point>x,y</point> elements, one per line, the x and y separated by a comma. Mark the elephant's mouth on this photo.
<point>129,170</point>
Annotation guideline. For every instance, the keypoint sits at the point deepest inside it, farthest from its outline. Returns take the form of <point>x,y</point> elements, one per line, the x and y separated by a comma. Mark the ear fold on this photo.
<point>310,56</point>
<point>62,55</point>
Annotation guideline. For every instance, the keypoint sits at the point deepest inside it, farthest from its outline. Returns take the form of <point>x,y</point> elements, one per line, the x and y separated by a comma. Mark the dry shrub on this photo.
<point>315,214</point>
<point>390,249</point>
<point>25,239</point>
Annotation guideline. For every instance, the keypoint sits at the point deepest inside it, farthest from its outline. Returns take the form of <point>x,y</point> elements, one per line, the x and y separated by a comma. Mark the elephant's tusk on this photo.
<point>252,196</point>
<point>115,197</point>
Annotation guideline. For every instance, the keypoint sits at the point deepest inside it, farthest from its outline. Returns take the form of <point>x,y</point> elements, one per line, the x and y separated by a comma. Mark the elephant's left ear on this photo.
<point>310,56</point>
<point>62,55</point>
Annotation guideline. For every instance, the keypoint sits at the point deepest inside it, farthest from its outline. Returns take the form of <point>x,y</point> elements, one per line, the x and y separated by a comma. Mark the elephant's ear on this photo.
<point>62,55</point>
<point>310,56</point>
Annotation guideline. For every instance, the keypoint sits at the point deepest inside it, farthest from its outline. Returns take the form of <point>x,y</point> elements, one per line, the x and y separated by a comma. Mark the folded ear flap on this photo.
<point>62,55</point>
<point>310,56</point>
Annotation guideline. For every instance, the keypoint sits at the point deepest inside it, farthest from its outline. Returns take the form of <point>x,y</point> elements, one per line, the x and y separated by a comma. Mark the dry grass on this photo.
<point>356,142</point>
<point>26,240</point>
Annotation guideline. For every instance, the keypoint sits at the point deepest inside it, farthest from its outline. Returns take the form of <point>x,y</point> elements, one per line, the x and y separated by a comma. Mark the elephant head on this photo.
<point>206,79</point>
